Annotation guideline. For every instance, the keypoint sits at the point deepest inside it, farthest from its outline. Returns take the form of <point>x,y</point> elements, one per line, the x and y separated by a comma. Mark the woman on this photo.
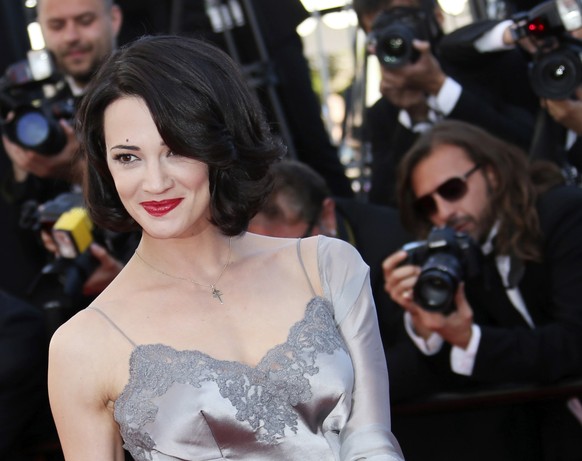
<point>212,343</point>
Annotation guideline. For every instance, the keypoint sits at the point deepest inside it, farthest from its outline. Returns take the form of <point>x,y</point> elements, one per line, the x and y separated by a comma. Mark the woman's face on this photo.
<point>167,194</point>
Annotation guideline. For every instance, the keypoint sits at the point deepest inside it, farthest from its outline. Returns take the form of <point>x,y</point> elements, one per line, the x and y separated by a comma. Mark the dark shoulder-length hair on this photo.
<point>513,198</point>
<point>202,108</point>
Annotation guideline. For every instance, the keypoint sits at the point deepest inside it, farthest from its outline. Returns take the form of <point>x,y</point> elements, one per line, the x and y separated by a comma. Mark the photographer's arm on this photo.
<point>489,99</point>
<point>422,78</point>
<point>399,283</point>
<point>108,269</point>
<point>455,328</point>
<point>567,112</point>
<point>426,329</point>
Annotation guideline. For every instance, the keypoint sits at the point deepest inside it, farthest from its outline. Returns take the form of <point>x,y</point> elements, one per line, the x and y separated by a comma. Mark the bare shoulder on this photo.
<point>81,339</point>
<point>88,335</point>
<point>74,357</point>
<point>80,329</point>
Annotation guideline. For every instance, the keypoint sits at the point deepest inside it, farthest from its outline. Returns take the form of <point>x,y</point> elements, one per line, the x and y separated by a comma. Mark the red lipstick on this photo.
<point>162,207</point>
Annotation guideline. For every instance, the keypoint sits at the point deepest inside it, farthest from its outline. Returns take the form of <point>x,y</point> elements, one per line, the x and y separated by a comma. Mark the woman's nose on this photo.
<point>157,179</point>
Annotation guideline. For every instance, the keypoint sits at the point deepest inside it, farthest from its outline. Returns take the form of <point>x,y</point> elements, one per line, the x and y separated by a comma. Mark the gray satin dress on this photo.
<point>322,395</point>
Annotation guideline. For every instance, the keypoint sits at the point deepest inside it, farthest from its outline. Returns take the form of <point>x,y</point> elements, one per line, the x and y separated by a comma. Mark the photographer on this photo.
<point>80,34</point>
<point>549,37</point>
<point>420,87</point>
<point>519,321</point>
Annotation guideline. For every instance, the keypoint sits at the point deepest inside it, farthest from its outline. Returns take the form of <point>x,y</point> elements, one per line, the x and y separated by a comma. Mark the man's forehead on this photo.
<point>49,9</point>
<point>368,18</point>
<point>395,3</point>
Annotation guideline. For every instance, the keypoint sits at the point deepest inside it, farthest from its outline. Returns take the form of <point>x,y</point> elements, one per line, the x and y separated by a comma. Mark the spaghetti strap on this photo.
<point>112,323</point>
<point>303,266</point>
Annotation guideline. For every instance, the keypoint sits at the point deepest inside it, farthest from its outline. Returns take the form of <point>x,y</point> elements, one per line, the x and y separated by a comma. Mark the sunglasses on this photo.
<point>451,190</point>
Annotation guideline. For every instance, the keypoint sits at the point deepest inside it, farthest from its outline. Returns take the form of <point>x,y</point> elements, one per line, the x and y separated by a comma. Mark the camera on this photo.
<point>58,287</point>
<point>556,69</point>
<point>32,101</point>
<point>446,258</point>
<point>394,30</point>
<point>65,219</point>
<point>556,74</point>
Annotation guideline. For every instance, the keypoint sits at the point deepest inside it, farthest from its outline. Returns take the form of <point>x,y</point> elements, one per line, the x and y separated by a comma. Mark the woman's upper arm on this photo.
<point>78,397</point>
<point>345,277</point>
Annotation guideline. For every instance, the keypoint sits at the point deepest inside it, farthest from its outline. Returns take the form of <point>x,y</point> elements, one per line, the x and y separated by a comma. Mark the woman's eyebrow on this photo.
<point>125,147</point>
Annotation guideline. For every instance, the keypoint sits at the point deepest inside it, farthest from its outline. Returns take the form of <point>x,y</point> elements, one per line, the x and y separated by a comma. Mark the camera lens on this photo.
<point>394,47</point>
<point>32,129</point>
<point>438,281</point>
<point>556,75</point>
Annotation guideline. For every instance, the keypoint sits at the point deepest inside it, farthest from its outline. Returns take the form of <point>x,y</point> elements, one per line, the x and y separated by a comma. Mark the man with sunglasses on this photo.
<point>520,320</point>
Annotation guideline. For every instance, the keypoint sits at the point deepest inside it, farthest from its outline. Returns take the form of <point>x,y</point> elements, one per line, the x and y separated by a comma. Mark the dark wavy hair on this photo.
<point>202,108</point>
<point>513,199</point>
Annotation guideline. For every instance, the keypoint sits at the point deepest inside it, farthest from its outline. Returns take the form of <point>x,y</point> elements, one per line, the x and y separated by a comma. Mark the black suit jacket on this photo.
<point>25,419</point>
<point>510,352</point>
<point>509,349</point>
<point>491,98</point>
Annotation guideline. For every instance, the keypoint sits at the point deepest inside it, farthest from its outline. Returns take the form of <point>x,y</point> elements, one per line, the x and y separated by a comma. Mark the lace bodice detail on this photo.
<point>322,395</point>
<point>263,397</point>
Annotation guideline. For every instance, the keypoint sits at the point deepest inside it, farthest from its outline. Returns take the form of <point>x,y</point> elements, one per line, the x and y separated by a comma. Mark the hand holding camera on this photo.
<point>424,74</point>
<point>454,327</point>
<point>28,161</point>
<point>546,31</point>
<point>567,112</point>
<point>426,279</point>
<point>35,114</point>
<point>107,269</point>
<point>403,38</point>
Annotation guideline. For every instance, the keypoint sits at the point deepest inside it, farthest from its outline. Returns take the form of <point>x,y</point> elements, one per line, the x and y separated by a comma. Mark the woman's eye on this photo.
<point>124,158</point>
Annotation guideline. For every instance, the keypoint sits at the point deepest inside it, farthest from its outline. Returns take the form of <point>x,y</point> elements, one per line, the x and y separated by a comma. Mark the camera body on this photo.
<point>446,258</point>
<point>66,220</point>
<point>556,69</point>
<point>32,101</point>
<point>394,30</point>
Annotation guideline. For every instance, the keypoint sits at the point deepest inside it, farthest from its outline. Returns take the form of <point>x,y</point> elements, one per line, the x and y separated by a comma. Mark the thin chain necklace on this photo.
<point>216,293</point>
